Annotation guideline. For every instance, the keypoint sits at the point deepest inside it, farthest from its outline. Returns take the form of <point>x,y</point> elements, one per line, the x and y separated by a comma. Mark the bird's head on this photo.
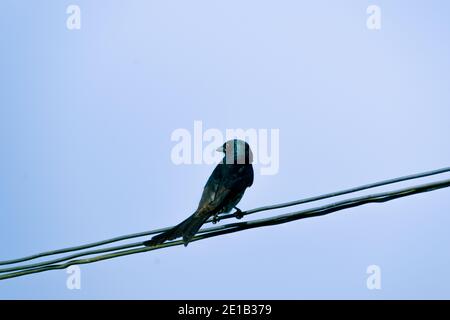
<point>236,152</point>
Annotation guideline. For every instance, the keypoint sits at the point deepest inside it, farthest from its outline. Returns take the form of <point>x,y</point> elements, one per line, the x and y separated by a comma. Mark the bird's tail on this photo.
<point>186,229</point>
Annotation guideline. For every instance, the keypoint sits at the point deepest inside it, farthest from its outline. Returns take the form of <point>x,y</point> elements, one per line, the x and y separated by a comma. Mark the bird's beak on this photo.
<point>220,149</point>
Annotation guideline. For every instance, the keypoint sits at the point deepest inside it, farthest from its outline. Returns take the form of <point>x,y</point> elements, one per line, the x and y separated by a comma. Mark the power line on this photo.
<point>240,226</point>
<point>228,216</point>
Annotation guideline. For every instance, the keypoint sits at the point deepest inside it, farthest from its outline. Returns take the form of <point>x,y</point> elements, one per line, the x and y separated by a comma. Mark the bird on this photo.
<point>221,193</point>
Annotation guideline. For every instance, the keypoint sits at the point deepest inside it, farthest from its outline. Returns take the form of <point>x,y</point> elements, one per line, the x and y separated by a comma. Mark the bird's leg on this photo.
<point>215,218</point>
<point>238,214</point>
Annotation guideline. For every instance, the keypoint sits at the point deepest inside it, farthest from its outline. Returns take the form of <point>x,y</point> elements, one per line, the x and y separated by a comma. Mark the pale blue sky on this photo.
<point>86,118</point>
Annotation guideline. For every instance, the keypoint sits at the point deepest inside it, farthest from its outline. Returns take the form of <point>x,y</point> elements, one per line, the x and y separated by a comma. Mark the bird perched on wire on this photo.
<point>222,192</point>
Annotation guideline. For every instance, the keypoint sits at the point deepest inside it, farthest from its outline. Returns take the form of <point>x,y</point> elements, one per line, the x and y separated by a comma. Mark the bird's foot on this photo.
<point>215,218</point>
<point>238,214</point>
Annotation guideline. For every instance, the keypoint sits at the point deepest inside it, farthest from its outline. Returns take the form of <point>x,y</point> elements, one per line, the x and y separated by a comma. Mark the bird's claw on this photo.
<point>215,219</point>
<point>238,214</point>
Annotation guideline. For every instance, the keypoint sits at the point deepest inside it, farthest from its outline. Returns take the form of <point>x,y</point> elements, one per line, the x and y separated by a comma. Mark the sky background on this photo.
<point>86,118</point>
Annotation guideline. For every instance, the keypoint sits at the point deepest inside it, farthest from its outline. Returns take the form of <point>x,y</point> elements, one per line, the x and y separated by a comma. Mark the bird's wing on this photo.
<point>213,199</point>
<point>224,184</point>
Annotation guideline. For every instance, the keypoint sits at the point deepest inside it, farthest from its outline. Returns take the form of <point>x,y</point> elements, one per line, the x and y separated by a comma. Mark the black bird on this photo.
<point>222,192</point>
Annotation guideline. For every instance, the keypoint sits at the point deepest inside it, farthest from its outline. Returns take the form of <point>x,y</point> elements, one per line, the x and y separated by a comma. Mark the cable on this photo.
<point>228,216</point>
<point>240,226</point>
